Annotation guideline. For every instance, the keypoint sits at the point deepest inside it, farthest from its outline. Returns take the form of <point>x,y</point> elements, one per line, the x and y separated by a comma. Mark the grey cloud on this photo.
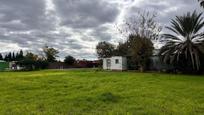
<point>29,13</point>
<point>26,24</point>
<point>85,13</point>
<point>102,34</point>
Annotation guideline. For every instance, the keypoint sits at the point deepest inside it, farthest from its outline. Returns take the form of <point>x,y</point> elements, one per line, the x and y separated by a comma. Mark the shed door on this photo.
<point>108,61</point>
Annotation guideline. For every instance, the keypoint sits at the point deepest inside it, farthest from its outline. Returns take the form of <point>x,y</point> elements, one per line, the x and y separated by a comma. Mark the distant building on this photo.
<point>4,65</point>
<point>115,63</point>
<point>13,65</point>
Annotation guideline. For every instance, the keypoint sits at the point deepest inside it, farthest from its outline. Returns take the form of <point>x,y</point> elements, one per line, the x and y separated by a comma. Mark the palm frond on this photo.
<point>201,2</point>
<point>188,26</point>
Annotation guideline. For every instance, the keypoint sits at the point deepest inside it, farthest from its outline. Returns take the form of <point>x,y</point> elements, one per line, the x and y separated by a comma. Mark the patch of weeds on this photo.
<point>108,97</point>
<point>79,87</point>
<point>89,99</point>
<point>41,107</point>
<point>65,86</point>
<point>98,70</point>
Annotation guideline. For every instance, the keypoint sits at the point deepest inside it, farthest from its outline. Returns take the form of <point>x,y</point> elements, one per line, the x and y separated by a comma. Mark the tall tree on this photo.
<point>50,53</point>
<point>140,50</point>
<point>105,49</point>
<point>185,46</point>
<point>17,56</point>
<point>1,56</point>
<point>21,54</point>
<point>6,57</point>
<point>31,56</point>
<point>13,57</point>
<point>141,29</point>
<point>9,56</point>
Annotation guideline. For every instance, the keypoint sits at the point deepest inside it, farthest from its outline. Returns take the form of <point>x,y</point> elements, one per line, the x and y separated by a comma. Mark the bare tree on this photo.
<point>142,24</point>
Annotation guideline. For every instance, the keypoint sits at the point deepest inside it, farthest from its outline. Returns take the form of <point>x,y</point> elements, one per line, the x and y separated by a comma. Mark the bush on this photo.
<point>69,60</point>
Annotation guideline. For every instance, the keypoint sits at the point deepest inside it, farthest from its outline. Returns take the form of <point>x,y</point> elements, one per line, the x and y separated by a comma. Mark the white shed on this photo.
<point>115,63</point>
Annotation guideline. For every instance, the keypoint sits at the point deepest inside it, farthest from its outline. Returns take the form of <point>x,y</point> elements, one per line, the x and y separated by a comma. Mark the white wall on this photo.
<point>104,63</point>
<point>115,66</point>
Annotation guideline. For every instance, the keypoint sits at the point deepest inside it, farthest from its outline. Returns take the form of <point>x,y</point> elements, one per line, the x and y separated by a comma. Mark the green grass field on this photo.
<point>74,92</point>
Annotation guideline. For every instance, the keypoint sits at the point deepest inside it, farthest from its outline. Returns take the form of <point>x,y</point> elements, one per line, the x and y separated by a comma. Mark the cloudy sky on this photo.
<point>74,27</point>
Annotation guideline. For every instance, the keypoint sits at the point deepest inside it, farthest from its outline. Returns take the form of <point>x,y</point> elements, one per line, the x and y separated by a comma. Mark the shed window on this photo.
<point>117,61</point>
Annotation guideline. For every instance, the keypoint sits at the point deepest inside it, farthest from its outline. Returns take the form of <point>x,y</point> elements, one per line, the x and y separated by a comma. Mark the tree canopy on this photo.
<point>50,53</point>
<point>69,60</point>
<point>105,49</point>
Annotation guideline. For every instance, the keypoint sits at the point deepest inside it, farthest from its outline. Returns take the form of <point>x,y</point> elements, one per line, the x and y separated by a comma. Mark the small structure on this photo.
<point>13,65</point>
<point>115,63</point>
<point>4,65</point>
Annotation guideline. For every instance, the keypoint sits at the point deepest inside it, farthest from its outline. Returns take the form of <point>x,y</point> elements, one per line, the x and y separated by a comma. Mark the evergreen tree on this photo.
<point>1,57</point>
<point>21,55</point>
<point>9,57</point>
<point>13,57</point>
<point>17,56</point>
<point>6,57</point>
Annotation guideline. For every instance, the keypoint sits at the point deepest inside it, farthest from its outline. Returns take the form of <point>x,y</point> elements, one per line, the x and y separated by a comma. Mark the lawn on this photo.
<point>74,92</point>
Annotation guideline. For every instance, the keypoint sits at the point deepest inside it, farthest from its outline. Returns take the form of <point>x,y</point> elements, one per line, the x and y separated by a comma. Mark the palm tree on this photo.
<point>201,2</point>
<point>186,44</point>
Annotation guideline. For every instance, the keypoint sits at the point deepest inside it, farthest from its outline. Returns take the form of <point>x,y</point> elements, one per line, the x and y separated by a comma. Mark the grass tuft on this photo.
<point>108,97</point>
